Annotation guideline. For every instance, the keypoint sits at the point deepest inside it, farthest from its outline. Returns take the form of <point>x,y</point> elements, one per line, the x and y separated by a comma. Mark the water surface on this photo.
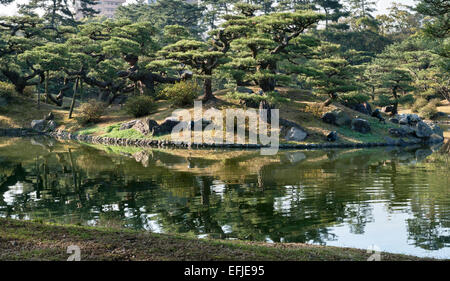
<point>396,199</point>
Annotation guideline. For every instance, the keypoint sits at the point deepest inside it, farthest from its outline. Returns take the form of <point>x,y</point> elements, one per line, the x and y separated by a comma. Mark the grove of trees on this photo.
<point>336,48</point>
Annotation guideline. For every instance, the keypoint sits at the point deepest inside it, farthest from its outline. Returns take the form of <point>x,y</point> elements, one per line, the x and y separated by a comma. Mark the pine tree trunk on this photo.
<point>46,86</point>
<point>333,97</point>
<point>72,105</point>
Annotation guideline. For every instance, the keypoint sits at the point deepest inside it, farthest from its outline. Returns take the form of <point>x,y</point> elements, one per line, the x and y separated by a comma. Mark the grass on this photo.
<point>24,240</point>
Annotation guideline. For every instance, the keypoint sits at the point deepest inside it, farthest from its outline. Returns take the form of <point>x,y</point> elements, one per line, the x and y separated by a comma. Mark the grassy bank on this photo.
<point>21,240</point>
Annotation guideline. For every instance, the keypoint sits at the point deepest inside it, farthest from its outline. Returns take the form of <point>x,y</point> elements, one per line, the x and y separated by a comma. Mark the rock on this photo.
<point>336,117</point>
<point>394,120</point>
<point>342,119</point>
<point>413,119</point>
<point>423,130</point>
<point>166,127</point>
<point>51,126</point>
<point>145,126</point>
<point>403,120</point>
<point>436,129</point>
<point>403,131</point>
<point>38,125</point>
<point>332,136</point>
<point>360,125</point>
<point>49,116</point>
<point>204,123</point>
<point>364,108</point>
<point>43,126</point>
<point>241,89</point>
<point>435,138</point>
<point>127,125</point>
<point>296,134</point>
<point>329,117</point>
<point>377,114</point>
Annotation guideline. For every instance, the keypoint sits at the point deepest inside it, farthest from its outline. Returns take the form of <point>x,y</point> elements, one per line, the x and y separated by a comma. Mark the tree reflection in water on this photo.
<point>296,196</point>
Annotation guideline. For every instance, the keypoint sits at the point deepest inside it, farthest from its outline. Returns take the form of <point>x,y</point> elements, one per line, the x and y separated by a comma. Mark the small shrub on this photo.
<point>182,93</point>
<point>29,91</point>
<point>253,100</point>
<point>354,98</point>
<point>317,109</point>
<point>91,112</point>
<point>419,104</point>
<point>139,106</point>
<point>6,90</point>
<point>429,111</point>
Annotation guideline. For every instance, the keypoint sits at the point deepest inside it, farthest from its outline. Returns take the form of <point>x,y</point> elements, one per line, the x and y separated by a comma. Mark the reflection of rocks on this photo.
<point>295,157</point>
<point>142,157</point>
<point>421,154</point>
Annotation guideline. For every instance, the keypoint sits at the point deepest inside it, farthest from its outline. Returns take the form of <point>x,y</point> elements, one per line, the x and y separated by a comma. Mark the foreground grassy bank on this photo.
<point>23,240</point>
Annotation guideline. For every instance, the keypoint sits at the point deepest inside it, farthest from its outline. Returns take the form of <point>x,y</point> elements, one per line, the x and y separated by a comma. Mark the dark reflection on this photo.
<point>295,196</point>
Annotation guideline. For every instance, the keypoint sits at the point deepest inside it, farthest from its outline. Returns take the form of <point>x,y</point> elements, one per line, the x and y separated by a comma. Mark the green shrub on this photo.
<point>6,90</point>
<point>253,100</point>
<point>354,98</point>
<point>90,112</point>
<point>419,104</point>
<point>429,111</point>
<point>182,93</point>
<point>139,106</point>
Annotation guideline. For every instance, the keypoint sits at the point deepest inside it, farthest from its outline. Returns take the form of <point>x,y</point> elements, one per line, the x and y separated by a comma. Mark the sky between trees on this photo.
<point>382,6</point>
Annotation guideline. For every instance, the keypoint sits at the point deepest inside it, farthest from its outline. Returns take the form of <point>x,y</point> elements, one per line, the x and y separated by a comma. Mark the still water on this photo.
<point>397,199</point>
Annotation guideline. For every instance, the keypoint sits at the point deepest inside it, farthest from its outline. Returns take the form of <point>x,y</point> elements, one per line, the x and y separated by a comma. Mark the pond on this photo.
<point>397,199</point>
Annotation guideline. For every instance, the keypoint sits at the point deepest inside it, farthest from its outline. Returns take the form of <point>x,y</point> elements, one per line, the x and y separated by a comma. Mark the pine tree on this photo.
<point>264,41</point>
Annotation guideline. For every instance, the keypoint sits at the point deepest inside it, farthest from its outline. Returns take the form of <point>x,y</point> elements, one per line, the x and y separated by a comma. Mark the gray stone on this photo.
<point>38,125</point>
<point>423,130</point>
<point>361,125</point>
<point>145,126</point>
<point>436,129</point>
<point>127,125</point>
<point>435,138</point>
<point>49,116</point>
<point>296,134</point>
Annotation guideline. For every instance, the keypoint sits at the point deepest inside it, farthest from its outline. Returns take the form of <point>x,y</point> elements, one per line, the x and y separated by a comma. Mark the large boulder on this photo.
<point>166,126</point>
<point>342,118</point>
<point>329,117</point>
<point>403,131</point>
<point>145,126</point>
<point>423,130</point>
<point>337,117</point>
<point>361,125</point>
<point>296,134</point>
<point>43,126</point>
